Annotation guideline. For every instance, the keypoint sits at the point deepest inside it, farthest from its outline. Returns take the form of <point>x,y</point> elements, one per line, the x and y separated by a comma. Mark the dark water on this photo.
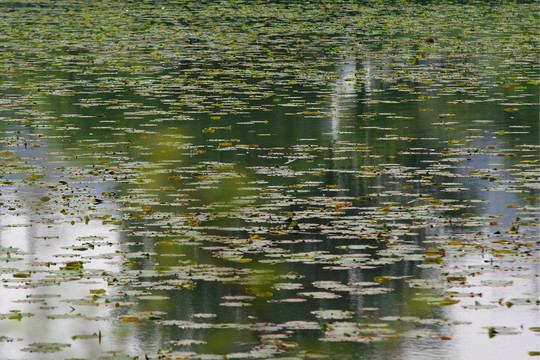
<point>268,180</point>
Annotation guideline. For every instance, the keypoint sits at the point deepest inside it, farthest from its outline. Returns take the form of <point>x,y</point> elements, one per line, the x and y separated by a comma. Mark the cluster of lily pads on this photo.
<point>266,179</point>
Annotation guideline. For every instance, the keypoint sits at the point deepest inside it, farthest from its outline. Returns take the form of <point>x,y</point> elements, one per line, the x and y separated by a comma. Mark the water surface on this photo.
<point>268,180</point>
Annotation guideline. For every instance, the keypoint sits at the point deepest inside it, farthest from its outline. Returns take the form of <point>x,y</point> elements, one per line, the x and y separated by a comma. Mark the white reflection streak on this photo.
<point>36,242</point>
<point>344,87</point>
<point>368,74</point>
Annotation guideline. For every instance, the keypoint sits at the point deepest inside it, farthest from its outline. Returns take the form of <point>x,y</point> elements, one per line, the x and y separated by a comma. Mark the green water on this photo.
<point>269,180</point>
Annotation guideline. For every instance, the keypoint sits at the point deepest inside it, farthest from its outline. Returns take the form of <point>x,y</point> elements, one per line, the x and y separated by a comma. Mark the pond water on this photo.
<point>269,179</point>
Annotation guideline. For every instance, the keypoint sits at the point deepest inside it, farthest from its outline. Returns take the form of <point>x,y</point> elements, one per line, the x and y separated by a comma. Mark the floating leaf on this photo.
<point>45,347</point>
<point>332,314</point>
